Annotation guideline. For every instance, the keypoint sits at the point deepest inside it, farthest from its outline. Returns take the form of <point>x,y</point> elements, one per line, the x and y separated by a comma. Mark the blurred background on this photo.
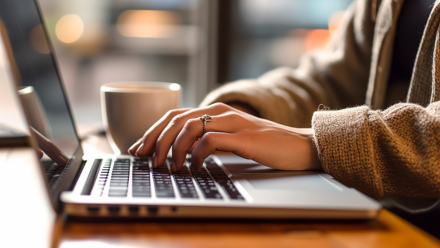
<point>199,44</point>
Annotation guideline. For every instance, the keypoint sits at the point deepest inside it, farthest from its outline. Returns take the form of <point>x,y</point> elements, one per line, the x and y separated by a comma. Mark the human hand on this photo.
<point>231,130</point>
<point>244,108</point>
<point>49,148</point>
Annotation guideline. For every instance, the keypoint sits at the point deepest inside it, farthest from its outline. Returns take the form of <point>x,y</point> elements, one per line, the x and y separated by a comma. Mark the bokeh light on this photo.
<point>69,28</point>
<point>147,23</point>
<point>316,39</point>
<point>319,38</point>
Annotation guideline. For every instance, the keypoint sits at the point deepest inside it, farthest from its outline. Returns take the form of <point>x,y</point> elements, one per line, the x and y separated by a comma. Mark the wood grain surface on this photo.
<point>387,231</point>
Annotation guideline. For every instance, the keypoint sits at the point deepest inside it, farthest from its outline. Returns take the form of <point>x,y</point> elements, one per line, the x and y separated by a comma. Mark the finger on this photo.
<point>133,148</point>
<point>148,140</point>
<point>212,141</point>
<point>50,148</point>
<point>169,134</point>
<point>187,137</point>
<point>192,147</point>
<point>40,153</point>
<point>193,129</point>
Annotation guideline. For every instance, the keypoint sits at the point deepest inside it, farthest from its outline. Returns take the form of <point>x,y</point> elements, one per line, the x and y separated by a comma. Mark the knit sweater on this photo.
<point>360,142</point>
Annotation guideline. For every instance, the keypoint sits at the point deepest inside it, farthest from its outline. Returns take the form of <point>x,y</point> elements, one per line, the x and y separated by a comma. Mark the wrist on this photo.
<point>313,157</point>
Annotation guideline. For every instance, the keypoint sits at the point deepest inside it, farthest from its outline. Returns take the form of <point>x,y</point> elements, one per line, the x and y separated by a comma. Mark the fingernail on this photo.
<point>134,145</point>
<point>139,150</point>
<point>154,161</point>
<point>130,152</point>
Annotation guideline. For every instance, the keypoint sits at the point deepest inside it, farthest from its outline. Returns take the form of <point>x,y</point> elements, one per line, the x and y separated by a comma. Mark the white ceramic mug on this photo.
<point>131,108</point>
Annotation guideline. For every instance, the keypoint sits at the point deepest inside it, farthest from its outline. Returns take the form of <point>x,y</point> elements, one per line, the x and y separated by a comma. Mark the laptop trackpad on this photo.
<point>261,177</point>
<point>307,182</point>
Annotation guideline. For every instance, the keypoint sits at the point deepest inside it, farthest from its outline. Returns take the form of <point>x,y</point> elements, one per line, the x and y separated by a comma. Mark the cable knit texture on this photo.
<point>394,151</point>
<point>375,148</point>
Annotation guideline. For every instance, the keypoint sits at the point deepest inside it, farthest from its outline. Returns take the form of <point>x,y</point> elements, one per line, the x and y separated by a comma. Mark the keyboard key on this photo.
<point>141,178</point>
<point>162,182</point>
<point>141,194</point>
<point>119,178</point>
<point>119,188</point>
<point>185,184</point>
<point>229,187</point>
<point>113,184</point>
<point>224,181</point>
<point>117,194</point>
<point>121,160</point>
<point>207,185</point>
<point>122,173</point>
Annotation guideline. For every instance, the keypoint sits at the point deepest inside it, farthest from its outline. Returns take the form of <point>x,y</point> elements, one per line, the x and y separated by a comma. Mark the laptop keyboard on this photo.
<point>51,170</point>
<point>137,179</point>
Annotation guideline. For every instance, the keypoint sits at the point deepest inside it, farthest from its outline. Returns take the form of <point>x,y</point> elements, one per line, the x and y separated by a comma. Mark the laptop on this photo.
<point>101,186</point>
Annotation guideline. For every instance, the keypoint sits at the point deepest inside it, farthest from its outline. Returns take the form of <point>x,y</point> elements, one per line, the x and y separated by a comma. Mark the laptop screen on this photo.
<point>45,101</point>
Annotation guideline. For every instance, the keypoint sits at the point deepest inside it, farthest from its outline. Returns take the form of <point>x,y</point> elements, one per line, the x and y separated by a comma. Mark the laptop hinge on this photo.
<point>92,177</point>
<point>78,173</point>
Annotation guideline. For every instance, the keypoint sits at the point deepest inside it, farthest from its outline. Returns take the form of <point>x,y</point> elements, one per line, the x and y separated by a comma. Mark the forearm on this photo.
<point>336,76</point>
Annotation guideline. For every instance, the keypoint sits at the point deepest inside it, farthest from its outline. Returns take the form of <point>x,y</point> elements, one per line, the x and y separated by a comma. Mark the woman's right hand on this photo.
<point>230,130</point>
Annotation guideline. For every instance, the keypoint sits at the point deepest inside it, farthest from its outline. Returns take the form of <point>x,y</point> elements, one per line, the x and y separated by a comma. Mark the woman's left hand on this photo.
<point>230,130</point>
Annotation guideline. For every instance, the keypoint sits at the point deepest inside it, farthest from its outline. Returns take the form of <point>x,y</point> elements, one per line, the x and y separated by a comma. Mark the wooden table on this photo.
<point>387,231</point>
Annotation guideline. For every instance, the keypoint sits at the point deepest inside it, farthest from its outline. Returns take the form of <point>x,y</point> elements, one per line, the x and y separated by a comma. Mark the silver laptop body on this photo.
<point>125,186</point>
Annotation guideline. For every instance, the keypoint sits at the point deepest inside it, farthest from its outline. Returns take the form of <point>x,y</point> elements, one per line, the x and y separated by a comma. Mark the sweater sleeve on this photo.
<point>391,151</point>
<point>336,76</point>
